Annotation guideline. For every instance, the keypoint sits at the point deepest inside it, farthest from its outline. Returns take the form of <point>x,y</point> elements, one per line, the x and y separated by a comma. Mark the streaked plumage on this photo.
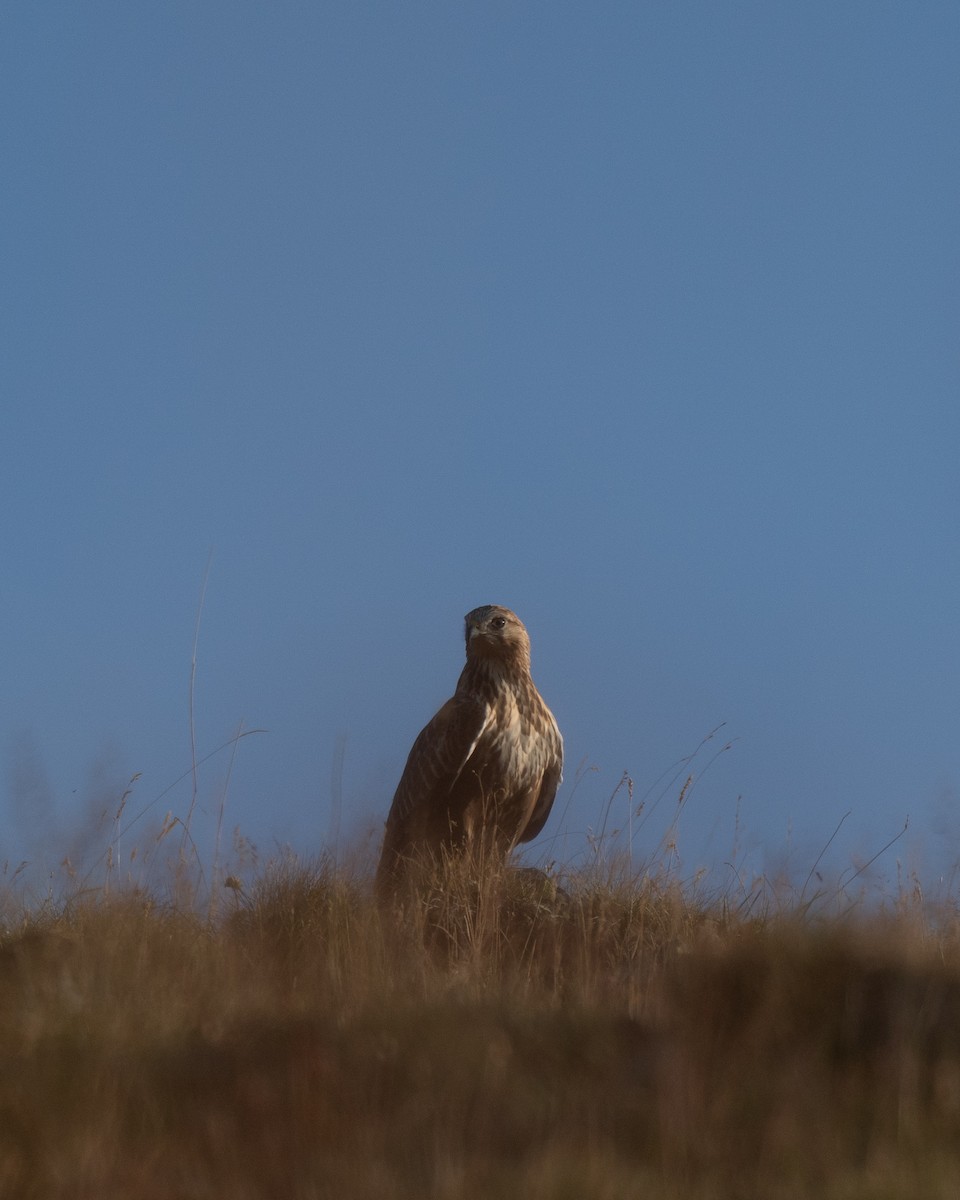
<point>482,775</point>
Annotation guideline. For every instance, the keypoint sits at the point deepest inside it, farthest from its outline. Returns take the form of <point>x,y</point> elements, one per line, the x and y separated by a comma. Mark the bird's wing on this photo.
<point>550,781</point>
<point>439,755</point>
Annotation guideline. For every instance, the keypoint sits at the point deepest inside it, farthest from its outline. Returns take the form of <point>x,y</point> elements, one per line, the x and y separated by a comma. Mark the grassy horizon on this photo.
<point>609,1031</point>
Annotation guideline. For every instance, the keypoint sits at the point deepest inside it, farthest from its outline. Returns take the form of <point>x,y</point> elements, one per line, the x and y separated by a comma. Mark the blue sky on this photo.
<point>638,318</point>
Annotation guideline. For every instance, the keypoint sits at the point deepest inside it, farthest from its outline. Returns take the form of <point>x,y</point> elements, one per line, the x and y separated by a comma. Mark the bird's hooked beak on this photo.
<point>475,630</point>
<point>476,626</point>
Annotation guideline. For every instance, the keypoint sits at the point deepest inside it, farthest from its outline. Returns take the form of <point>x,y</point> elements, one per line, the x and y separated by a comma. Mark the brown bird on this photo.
<point>482,775</point>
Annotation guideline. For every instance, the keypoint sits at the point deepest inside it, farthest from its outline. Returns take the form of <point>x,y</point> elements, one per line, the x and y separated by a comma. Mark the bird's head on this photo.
<point>495,633</point>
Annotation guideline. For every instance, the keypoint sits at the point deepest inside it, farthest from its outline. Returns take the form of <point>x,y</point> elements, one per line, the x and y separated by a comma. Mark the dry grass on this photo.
<point>614,1038</point>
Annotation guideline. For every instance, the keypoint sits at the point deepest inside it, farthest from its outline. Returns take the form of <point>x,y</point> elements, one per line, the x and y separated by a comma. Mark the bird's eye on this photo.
<point>498,622</point>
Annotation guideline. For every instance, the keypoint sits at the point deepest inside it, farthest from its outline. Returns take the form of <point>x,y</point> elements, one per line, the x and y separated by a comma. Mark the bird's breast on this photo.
<point>512,749</point>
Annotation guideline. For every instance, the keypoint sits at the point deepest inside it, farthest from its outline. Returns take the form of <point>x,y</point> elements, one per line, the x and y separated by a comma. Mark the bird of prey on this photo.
<point>482,775</point>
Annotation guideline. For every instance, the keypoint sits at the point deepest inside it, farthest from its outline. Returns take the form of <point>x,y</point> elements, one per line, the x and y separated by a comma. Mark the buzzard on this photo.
<point>482,775</point>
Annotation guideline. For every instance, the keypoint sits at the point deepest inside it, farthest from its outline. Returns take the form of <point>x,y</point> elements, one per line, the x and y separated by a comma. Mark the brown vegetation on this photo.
<point>609,1038</point>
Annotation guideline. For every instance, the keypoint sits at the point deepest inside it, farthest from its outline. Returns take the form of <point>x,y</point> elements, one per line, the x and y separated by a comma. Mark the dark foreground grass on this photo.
<point>615,1039</point>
